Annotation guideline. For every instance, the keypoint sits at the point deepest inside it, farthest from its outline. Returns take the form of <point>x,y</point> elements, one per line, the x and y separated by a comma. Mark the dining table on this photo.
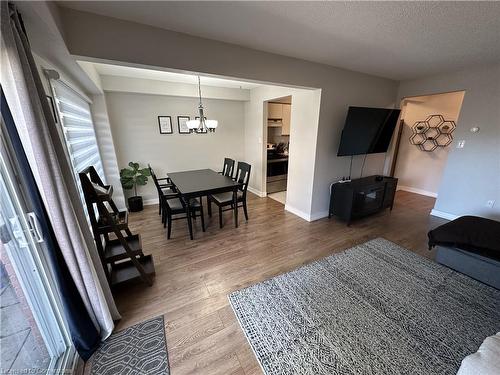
<point>203,182</point>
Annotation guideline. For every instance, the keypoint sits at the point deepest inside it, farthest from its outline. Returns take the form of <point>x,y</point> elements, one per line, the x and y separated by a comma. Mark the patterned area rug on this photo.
<point>374,309</point>
<point>137,350</point>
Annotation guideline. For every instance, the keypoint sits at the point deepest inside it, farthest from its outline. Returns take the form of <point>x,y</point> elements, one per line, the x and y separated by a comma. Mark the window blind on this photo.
<point>78,130</point>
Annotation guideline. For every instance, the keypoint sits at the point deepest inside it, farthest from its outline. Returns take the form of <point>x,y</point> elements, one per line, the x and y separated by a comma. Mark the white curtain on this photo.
<point>26,97</point>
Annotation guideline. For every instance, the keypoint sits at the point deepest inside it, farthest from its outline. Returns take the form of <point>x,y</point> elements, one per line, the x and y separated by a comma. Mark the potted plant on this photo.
<point>130,178</point>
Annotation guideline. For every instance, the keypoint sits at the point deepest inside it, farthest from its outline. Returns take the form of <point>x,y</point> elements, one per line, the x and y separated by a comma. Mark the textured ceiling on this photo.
<point>399,40</point>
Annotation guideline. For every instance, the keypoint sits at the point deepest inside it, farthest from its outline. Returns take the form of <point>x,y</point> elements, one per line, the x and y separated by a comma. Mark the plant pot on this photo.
<point>135,204</point>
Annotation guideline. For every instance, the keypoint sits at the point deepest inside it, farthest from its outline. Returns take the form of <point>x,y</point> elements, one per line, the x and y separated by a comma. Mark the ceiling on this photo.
<point>159,75</point>
<point>398,40</point>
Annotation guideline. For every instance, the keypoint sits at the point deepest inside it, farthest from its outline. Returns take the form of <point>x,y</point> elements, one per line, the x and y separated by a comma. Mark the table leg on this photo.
<point>188,214</point>
<point>235,204</point>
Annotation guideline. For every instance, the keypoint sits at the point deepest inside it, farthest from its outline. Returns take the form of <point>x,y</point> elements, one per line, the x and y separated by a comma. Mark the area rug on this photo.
<point>137,350</point>
<point>376,308</point>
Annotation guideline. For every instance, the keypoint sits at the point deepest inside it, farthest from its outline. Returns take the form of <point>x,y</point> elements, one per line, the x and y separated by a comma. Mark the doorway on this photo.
<point>279,112</point>
<point>426,132</point>
<point>34,337</point>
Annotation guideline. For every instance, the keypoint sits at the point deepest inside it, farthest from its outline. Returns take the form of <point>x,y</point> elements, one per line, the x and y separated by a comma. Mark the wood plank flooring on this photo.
<point>193,278</point>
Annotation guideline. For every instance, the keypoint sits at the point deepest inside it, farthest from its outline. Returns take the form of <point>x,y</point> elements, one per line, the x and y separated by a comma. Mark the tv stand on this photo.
<point>362,197</point>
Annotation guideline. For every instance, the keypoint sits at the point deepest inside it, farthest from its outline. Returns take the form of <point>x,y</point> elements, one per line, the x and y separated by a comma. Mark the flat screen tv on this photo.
<point>367,130</point>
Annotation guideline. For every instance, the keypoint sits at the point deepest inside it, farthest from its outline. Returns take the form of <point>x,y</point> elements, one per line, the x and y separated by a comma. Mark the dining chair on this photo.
<point>176,205</point>
<point>228,168</point>
<point>164,187</point>
<point>226,199</point>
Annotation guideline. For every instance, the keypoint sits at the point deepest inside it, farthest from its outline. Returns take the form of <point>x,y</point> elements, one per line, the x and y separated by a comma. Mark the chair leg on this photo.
<point>163,216</point>
<point>169,224</point>
<point>190,224</point>
<point>209,203</point>
<point>202,219</point>
<point>190,227</point>
<point>245,209</point>
<point>220,217</point>
<point>159,205</point>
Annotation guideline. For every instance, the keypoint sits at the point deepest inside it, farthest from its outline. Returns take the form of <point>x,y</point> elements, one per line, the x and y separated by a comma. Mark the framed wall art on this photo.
<point>181,124</point>
<point>165,124</point>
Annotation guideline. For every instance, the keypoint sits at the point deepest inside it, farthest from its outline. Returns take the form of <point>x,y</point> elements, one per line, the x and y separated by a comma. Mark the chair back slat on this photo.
<point>243,175</point>
<point>155,180</point>
<point>228,168</point>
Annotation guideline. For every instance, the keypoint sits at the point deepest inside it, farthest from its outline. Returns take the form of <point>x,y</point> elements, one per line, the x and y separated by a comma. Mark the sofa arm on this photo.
<point>486,361</point>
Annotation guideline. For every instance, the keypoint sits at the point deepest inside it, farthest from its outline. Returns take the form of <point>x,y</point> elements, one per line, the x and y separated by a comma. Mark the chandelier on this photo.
<point>201,124</point>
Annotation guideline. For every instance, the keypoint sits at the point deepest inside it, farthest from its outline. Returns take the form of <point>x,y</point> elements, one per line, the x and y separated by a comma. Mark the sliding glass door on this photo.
<point>33,335</point>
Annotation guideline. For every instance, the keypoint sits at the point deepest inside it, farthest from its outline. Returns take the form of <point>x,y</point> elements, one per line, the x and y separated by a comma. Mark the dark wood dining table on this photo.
<point>202,182</point>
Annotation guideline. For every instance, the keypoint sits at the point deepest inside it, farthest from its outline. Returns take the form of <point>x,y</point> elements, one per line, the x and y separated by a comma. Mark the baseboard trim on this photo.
<point>417,191</point>
<point>297,212</point>
<point>304,215</point>
<point>319,215</point>
<point>444,215</point>
<point>150,202</point>
<point>259,193</point>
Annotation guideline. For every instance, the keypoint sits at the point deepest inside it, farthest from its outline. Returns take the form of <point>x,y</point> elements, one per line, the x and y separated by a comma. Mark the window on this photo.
<point>78,130</point>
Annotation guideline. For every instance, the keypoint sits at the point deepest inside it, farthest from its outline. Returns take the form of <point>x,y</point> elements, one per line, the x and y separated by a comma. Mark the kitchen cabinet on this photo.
<point>287,114</point>
<point>275,111</point>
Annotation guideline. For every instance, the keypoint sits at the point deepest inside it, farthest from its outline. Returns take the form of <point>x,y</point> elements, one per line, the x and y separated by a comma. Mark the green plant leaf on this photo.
<point>134,166</point>
<point>125,172</point>
<point>144,172</point>
<point>127,182</point>
<point>141,180</point>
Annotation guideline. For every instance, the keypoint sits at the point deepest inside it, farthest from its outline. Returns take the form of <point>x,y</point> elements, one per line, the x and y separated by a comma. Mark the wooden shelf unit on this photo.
<point>122,257</point>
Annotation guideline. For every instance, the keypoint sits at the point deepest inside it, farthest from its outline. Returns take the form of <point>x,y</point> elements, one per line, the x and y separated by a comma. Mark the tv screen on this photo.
<point>367,130</point>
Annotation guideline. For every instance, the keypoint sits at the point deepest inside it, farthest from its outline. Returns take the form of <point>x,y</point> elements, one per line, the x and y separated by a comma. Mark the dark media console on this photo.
<point>361,197</point>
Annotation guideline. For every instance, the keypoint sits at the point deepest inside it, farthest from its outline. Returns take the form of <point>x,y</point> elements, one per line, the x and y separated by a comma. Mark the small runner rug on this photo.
<point>376,308</point>
<point>137,350</point>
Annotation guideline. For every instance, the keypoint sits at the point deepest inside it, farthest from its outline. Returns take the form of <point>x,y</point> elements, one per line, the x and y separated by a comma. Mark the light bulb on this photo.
<point>211,124</point>
<point>193,124</point>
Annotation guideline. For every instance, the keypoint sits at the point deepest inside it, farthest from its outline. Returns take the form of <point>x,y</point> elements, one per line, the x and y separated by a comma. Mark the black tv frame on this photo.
<point>371,148</point>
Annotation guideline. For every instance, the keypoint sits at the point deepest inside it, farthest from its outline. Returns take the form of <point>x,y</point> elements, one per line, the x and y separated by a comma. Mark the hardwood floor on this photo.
<point>193,278</point>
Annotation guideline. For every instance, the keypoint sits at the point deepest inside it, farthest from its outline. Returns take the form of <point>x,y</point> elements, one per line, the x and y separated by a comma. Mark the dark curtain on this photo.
<point>83,332</point>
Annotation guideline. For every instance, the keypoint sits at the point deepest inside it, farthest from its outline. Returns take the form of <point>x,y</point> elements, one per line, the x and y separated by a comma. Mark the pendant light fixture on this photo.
<point>201,124</point>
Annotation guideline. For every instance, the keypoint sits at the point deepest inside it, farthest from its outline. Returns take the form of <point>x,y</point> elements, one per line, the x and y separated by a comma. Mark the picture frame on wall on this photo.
<point>204,130</point>
<point>182,124</point>
<point>52,107</point>
<point>165,124</point>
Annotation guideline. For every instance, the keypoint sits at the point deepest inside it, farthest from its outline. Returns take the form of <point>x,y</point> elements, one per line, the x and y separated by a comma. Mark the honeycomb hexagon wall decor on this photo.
<point>417,139</point>
<point>421,127</point>
<point>443,139</point>
<point>429,145</point>
<point>432,133</point>
<point>434,120</point>
<point>447,127</point>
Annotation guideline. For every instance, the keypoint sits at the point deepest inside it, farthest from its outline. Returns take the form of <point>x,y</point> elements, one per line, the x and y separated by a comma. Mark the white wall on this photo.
<point>303,137</point>
<point>93,37</point>
<point>417,170</point>
<point>134,124</point>
<point>472,174</point>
